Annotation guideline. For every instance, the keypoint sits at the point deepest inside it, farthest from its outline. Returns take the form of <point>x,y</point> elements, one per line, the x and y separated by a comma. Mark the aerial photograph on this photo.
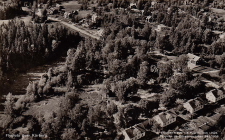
<point>112,69</point>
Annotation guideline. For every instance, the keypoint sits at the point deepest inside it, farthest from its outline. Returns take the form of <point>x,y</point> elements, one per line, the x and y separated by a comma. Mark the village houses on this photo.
<point>215,95</point>
<point>204,123</point>
<point>165,118</point>
<point>135,132</point>
<point>193,105</point>
<point>193,59</point>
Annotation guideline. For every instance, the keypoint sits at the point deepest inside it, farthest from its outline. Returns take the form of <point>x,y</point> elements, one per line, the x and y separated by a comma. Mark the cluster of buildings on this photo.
<point>197,125</point>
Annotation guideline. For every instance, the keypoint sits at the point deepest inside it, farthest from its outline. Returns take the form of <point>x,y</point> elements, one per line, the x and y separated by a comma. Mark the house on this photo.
<point>67,15</point>
<point>94,17</point>
<point>39,12</point>
<point>193,105</point>
<point>193,59</point>
<point>165,118</point>
<point>215,95</point>
<point>52,11</point>
<point>148,18</point>
<point>220,110</point>
<point>59,6</point>
<point>135,132</point>
<point>162,27</point>
<point>204,123</point>
<point>133,5</point>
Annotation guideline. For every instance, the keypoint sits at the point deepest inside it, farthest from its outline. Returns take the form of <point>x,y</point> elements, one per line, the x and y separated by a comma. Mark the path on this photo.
<point>74,28</point>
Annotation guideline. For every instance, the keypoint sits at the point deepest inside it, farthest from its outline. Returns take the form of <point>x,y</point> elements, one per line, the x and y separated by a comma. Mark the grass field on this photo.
<point>220,12</point>
<point>71,6</point>
<point>44,108</point>
<point>26,19</point>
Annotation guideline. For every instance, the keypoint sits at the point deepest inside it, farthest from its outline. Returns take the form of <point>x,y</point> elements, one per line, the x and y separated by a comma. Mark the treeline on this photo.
<point>23,46</point>
<point>10,10</point>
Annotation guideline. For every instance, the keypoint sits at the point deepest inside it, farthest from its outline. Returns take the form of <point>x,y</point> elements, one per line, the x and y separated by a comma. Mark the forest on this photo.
<point>10,10</point>
<point>97,89</point>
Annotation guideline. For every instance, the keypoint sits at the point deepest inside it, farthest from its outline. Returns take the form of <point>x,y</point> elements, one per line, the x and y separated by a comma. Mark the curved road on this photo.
<point>75,28</point>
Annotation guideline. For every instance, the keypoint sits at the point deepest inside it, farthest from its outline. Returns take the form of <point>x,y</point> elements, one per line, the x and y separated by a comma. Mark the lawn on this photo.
<point>71,6</point>
<point>44,108</point>
<point>4,21</point>
<point>220,12</point>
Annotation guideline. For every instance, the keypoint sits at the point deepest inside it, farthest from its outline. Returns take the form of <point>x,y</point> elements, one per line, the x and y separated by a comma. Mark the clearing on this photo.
<point>220,12</point>
<point>44,108</point>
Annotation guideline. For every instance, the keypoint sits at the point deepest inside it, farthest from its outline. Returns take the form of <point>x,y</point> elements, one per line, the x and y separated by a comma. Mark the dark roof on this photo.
<point>129,132</point>
<point>205,123</point>
<point>195,102</point>
<point>217,93</point>
<point>165,116</point>
<point>135,130</point>
<point>220,110</point>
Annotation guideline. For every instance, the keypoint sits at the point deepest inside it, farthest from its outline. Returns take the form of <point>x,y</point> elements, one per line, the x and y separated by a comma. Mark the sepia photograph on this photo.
<point>112,69</point>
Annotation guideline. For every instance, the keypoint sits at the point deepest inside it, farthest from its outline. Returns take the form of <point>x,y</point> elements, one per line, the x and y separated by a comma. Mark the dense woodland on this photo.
<point>10,10</point>
<point>121,63</point>
<point>22,45</point>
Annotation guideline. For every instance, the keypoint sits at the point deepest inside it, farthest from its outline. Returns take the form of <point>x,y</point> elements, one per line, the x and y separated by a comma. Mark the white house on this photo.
<point>194,59</point>
<point>194,105</point>
<point>148,18</point>
<point>135,132</point>
<point>133,5</point>
<point>94,17</point>
<point>165,118</point>
<point>215,95</point>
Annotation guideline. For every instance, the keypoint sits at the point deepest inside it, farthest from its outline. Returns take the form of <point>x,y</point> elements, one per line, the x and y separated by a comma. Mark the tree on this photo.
<point>168,98</point>
<point>111,108</point>
<point>148,106</point>
<point>70,134</point>
<point>9,105</point>
<point>178,82</point>
<point>146,31</point>
<point>181,63</point>
<point>131,113</point>
<point>140,4</point>
<point>142,75</point>
<point>165,70</point>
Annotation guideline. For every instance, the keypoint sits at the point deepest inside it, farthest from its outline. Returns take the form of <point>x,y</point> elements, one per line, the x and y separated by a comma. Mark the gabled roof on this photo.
<point>135,130</point>
<point>194,103</point>
<point>193,57</point>
<point>220,110</point>
<point>166,116</point>
<point>217,93</point>
<point>205,123</point>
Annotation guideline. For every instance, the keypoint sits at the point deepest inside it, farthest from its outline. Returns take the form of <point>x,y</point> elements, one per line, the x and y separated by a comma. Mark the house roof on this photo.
<point>193,57</point>
<point>194,103</point>
<point>205,123</point>
<point>220,110</point>
<point>135,130</point>
<point>165,116</point>
<point>217,93</point>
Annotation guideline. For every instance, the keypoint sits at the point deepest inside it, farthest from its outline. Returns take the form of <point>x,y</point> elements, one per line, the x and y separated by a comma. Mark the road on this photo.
<point>75,28</point>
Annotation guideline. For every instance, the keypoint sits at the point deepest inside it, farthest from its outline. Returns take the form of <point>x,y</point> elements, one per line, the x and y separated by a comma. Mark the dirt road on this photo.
<point>75,28</point>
